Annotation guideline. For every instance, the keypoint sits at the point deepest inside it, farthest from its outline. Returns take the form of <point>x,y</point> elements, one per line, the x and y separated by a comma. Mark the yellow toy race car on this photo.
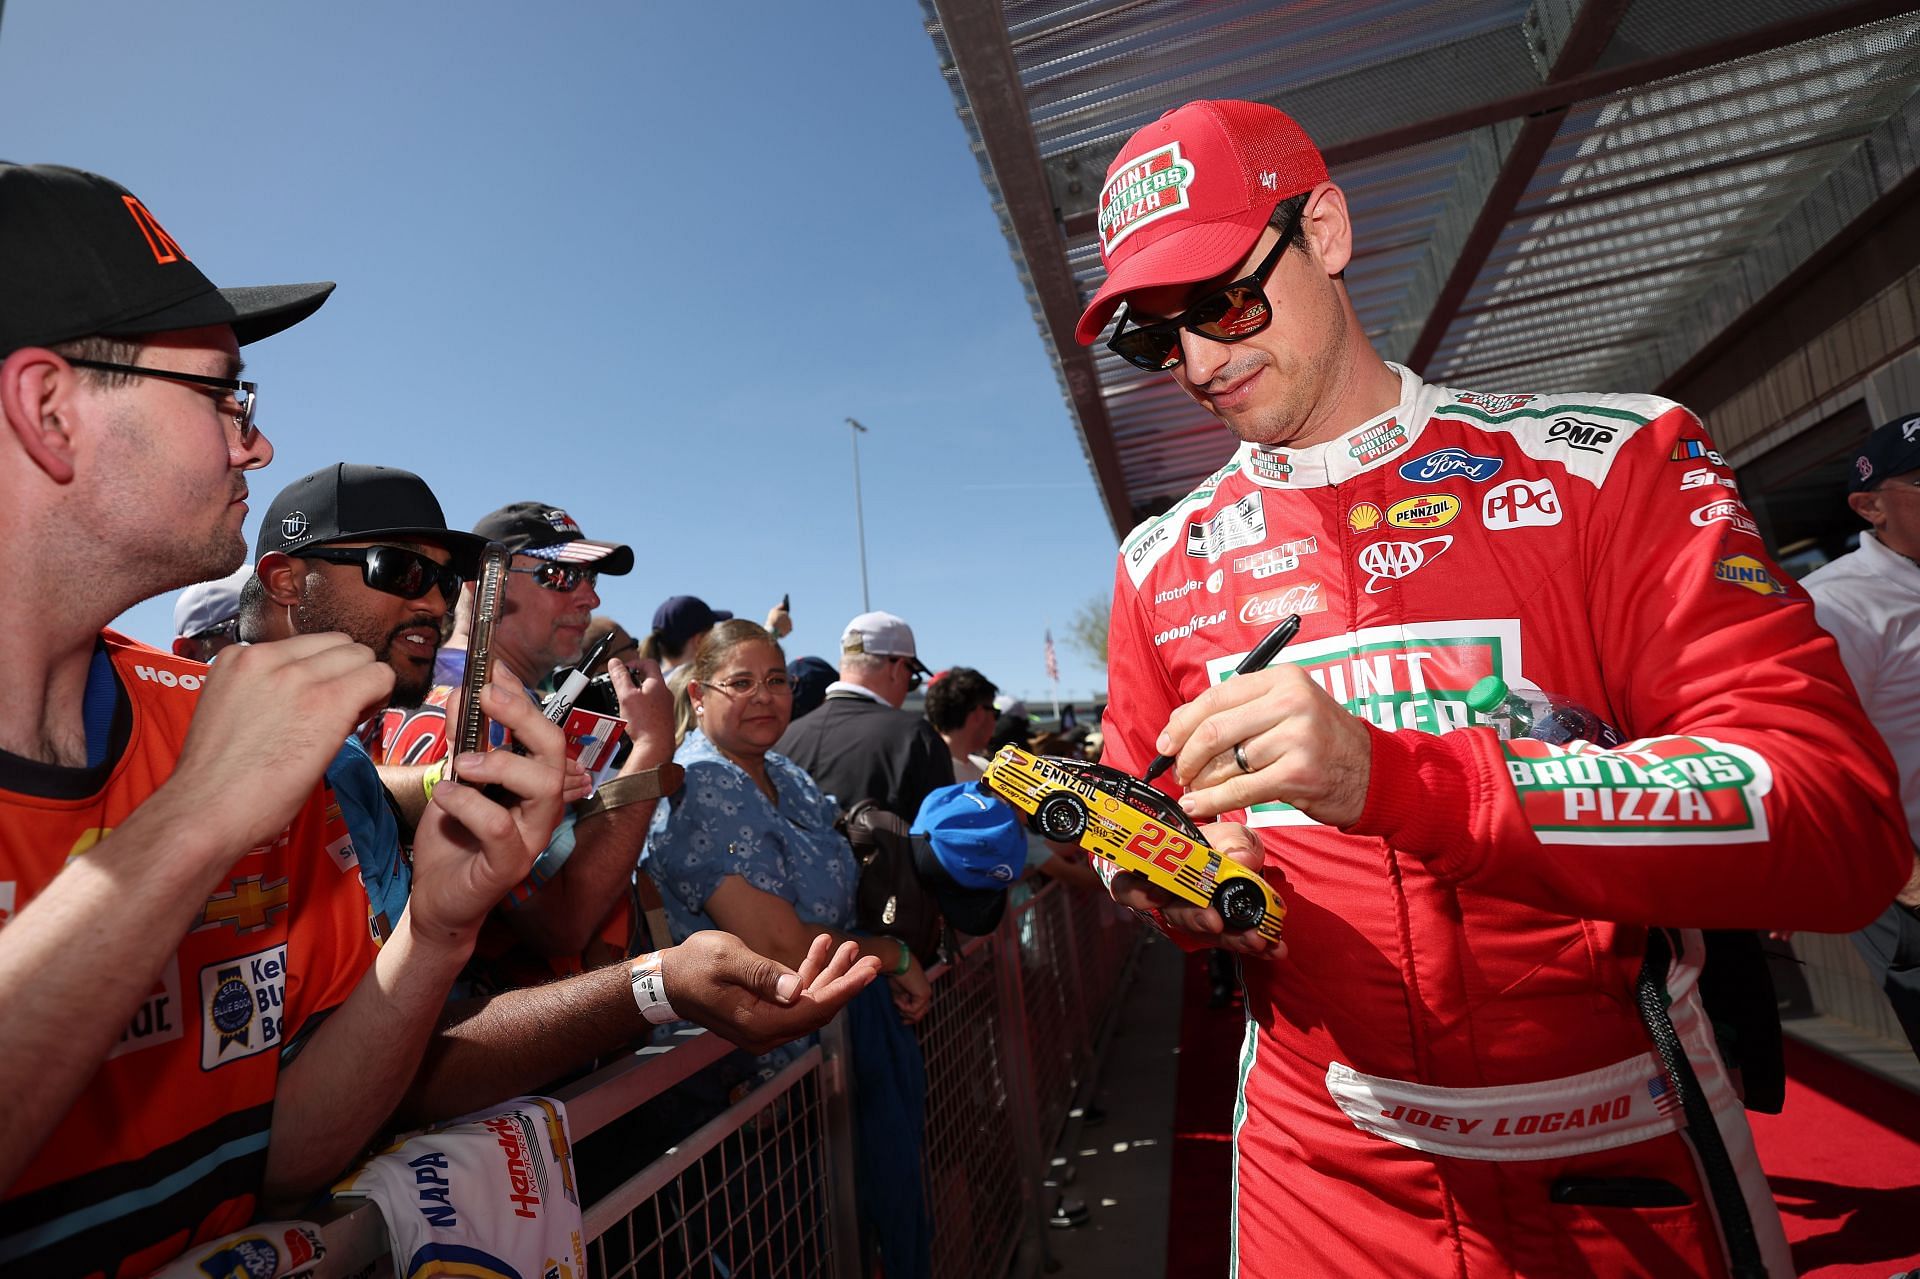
<point>1125,821</point>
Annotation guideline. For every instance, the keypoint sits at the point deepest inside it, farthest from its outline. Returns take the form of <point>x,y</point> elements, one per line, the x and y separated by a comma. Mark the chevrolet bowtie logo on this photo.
<point>247,908</point>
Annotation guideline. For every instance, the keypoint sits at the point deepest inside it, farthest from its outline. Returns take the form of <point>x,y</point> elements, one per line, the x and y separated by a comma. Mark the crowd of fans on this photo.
<point>301,924</point>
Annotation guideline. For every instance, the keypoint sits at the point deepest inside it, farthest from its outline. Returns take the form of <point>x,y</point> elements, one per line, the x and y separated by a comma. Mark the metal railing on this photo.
<point>765,1188</point>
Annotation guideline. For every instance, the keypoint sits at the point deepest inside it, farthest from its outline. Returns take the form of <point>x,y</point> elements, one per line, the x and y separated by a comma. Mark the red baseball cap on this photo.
<point>1189,193</point>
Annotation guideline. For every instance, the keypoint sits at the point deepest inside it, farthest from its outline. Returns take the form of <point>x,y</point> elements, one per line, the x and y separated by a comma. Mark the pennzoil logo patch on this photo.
<point>1146,190</point>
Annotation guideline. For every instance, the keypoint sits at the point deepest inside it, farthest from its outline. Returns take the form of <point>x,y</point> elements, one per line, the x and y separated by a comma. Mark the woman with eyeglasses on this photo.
<point>748,845</point>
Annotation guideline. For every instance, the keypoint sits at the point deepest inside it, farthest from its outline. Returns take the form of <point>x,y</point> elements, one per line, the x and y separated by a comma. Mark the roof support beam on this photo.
<point>976,33</point>
<point>1560,93</point>
<point>1592,30</point>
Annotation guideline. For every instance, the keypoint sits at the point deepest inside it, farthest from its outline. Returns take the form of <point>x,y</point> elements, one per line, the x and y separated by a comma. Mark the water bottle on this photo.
<point>1545,717</point>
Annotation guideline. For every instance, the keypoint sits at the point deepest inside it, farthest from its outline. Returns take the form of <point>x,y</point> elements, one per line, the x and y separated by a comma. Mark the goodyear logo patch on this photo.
<point>1748,572</point>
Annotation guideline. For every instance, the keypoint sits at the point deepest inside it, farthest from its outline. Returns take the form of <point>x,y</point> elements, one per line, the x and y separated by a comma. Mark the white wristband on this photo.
<point>650,991</point>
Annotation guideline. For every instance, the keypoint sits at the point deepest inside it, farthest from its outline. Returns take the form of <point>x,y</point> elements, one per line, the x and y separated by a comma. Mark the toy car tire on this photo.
<point>1240,903</point>
<point>1061,818</point>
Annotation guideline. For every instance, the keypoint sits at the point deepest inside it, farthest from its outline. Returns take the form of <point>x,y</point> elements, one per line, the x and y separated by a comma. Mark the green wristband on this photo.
<point>905,961</point>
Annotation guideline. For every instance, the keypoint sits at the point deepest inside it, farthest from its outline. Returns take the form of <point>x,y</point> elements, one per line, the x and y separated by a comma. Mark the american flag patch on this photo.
<point>576,552</point>
<point>1665,1099</point>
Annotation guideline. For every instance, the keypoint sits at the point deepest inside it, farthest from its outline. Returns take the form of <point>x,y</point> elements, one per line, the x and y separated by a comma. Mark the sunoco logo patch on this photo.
<point>1149,188</point>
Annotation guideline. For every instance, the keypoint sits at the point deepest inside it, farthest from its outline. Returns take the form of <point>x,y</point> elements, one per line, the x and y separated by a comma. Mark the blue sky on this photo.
<point>640,260</point>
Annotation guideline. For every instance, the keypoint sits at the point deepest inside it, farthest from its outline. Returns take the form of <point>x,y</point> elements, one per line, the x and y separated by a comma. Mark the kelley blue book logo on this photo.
<point>1446,463</point>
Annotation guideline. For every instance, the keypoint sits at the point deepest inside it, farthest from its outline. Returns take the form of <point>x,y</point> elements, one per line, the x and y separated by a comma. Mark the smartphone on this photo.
<point>471,732</point>
<point>784,606</point>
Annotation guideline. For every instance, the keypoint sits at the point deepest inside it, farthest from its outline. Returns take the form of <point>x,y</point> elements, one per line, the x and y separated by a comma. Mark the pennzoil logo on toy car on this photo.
<point>1579,433</point>
<point>1370,444</point>
<point>1414,676</point>
<point>1447,463</point>
<point>1429,510</point>
<point>1748,572</point>
<point>1686,788</point>
<point>1242,524</point>
<point>1146,190</point>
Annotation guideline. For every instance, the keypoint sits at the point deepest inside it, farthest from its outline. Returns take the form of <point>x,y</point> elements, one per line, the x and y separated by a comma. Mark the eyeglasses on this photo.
<point>1230,314</point>
<point>245,395</point>
<point>747,685</point>
<point>559,577</point>
<point>393,570</point>
<point>914,678</point>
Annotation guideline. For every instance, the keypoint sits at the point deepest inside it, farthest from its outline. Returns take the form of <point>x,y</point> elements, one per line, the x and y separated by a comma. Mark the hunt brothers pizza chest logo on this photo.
<point>1412,677</point>
<point>1150,187</point>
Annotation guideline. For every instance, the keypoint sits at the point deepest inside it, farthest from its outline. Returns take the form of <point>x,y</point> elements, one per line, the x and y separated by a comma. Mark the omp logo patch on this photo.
<point>1578,433</point>
<point>1147,190</point>
<point>242,1006</point>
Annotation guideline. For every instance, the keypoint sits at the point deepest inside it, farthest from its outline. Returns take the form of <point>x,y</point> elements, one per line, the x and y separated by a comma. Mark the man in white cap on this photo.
<point>860,744</point>
<point>206,616</point>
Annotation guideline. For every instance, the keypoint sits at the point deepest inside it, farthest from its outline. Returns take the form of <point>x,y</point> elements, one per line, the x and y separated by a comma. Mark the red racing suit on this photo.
<point>1451,1049</point>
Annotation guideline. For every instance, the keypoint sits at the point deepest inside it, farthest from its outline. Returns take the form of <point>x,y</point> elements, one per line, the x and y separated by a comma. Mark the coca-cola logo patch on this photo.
<point>1271,606</point>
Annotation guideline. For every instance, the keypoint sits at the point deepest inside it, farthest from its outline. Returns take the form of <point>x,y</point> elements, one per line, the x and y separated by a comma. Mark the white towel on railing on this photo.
<point>492,1191</point>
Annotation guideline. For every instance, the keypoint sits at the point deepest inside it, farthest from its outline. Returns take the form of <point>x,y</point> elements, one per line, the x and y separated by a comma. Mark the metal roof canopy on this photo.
<point>1550,196</point>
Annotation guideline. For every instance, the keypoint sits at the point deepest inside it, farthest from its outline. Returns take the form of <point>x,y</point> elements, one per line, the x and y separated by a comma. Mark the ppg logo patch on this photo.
<point>242,1002</point>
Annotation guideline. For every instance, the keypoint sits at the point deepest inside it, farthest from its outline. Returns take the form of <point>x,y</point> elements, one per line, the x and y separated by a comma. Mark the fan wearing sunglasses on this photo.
<point>572,909</point>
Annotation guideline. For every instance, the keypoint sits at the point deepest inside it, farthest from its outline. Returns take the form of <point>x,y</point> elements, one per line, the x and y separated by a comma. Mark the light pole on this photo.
<point>859,517</point>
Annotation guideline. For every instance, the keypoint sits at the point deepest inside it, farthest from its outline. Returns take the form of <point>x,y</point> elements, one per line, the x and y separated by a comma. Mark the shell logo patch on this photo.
<point>1364,517</point>
<point>1429,510</point>
<point>1146,190</point>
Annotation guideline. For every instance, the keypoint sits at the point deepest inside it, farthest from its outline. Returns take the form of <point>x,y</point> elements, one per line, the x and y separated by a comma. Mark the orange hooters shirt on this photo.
<point>167,1144</point>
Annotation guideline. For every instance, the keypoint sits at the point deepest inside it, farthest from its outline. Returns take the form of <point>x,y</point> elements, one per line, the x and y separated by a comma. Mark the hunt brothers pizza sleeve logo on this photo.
<point>1664,789</point>
<point>1414,677</point>
<point>1148,189</point>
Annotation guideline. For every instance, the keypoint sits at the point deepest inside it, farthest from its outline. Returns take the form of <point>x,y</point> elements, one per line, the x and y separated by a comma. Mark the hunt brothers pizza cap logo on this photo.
<point>1150,188</point>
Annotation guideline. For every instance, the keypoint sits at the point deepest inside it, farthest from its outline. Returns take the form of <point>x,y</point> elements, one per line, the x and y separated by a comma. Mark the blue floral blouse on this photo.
<point>720,824</point>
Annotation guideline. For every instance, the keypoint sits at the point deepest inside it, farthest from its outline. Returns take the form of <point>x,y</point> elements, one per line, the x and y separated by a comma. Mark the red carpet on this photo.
<point>1843,1157</point>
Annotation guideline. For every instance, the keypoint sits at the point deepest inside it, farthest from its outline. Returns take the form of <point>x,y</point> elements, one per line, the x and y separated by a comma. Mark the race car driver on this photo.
<point>1446,1068</point>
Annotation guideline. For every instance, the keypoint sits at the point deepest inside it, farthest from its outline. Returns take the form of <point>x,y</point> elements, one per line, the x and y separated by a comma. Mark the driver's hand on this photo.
<point>1201,925</point>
